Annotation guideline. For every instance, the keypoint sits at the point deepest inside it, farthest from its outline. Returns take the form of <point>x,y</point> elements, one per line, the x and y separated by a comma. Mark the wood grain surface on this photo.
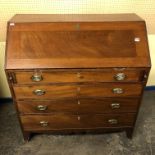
<point>77,44</point>
<point>80,106</point>
<point>69,91</point>
<point>77,58</point>
<point>62,121</point>
<point>56,76</point>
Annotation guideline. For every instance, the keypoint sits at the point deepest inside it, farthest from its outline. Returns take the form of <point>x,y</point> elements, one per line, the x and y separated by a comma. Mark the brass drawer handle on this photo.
<point>115,105</point>
<point>118,91</point>
<point>39,92</point>
<point>113,121</point>
<point>37,78</point>
<point>120,76</point>
<point>41,107</point>
<point>43,123</point>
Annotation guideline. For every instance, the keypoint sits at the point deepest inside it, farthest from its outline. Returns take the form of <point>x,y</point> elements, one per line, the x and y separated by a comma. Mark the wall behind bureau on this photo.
<point>144,8</point>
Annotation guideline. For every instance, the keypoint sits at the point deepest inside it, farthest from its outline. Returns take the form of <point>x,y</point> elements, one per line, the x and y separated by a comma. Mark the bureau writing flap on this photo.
<point>77,44</point>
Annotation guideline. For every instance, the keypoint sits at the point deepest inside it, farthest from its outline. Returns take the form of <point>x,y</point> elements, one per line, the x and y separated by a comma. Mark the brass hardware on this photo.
<point>41,107</point>
<point>79,75</point>
<point>118,90</point>
<point>79,103</point>
<point>120,76</point>
<point>78,118</point>
<point>137,39</point>
<point>39,92</point>
<point>37,78</point>
<point>113,121</point>
<point>115,105</point>
<point>43,123</point>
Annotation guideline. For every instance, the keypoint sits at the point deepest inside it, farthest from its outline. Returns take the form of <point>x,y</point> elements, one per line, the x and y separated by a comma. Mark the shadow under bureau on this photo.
<point>77,73</point>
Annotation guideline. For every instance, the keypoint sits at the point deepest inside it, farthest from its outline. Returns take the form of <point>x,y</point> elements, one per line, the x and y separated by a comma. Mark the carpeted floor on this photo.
<point>143,142</point>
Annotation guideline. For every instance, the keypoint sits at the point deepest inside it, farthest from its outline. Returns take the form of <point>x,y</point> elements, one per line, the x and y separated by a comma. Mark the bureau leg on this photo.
<point>129,133</point>
<point>26,136</point>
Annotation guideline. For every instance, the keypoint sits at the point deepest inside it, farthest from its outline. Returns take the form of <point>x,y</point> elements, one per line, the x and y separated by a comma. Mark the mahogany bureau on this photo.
<point>77,73</point>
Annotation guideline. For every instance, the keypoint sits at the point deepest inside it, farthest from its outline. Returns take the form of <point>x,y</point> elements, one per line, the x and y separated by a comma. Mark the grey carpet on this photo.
<point>143,142</point>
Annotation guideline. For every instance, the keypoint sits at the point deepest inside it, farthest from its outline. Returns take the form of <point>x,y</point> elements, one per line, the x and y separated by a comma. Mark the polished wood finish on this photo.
<point>80,106</point>
<point>66,91</point>
<point>61,121</point>
<point>104,75</point>
<point>71,44</point>
<point>78,43</point>
<point>77,73</point>
<point>50,18</point>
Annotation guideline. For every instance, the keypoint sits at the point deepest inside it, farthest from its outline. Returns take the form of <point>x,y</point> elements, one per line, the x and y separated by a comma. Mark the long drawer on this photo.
<point>87,90</point>
<point>105,75</point>
<point>106,105</point>
<point>63,121</point>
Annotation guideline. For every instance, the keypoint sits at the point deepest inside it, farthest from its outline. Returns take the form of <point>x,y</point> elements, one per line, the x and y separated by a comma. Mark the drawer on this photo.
<point>106,105</point>
<point>45,91</point>
<point>106,75</point>
<point>63,121</point>
<point>110,90</point>
<point>87,90</point>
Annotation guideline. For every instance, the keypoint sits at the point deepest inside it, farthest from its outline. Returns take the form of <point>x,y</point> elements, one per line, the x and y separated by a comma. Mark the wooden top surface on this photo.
<point>22,18</point>
<point>77,44</point>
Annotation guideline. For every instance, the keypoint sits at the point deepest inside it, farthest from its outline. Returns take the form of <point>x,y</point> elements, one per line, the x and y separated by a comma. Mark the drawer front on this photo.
<point>45,92</point>
<point>77,76</point>
<point>62,121</point>
<point>110,90</point>
<point>107,105</point>
<point>62,91</point>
